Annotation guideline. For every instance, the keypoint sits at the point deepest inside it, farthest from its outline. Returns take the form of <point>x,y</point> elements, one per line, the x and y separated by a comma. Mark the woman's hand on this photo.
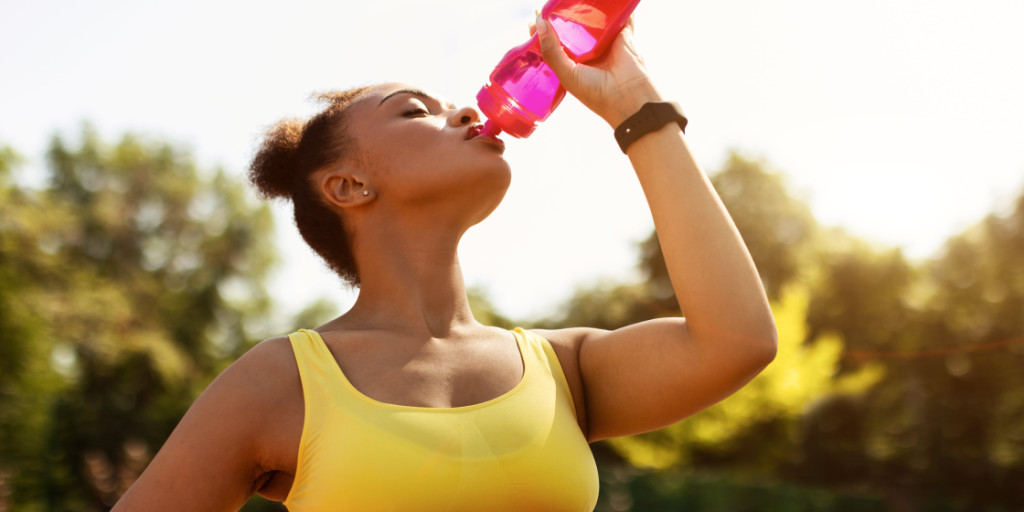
<point>614,86</point>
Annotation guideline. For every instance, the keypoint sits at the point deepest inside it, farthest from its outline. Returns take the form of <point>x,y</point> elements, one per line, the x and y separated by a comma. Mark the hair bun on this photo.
<point>273,170</point>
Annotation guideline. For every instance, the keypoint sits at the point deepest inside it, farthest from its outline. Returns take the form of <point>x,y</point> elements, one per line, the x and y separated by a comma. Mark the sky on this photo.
<point>900,120</point>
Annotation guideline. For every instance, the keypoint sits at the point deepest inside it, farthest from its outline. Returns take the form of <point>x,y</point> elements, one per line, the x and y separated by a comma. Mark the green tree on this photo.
<point>892,375</point>
<point>26,381</point>
<point>979,308</point>
<point>779,230</point>
<point>948,419</point>
<point>864,295</point>
<point>783,238</point>
<point>135,279</point>
<point>754,427</point>
<point>758,429</point>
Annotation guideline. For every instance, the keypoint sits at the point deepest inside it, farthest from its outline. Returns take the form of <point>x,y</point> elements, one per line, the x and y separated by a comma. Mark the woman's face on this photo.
<point>417,149</point>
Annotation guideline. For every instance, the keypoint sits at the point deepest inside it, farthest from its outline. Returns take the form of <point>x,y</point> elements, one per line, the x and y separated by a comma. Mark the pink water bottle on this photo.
<point>523,90</point>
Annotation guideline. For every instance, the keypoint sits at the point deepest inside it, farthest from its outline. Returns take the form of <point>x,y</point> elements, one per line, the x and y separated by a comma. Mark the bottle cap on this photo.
<point>504,113</point>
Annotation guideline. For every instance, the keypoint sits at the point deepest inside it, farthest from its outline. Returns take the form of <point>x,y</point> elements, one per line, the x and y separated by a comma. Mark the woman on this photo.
<point>405,402</point>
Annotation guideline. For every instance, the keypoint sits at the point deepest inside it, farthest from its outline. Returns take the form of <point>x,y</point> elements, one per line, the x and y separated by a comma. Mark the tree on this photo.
<point>754,427</point>
<point>139,278</point>
<point>891,375</point>
<point>948,419</point>
<point>26,381</point>
<point>779,230</point>
<point>782,237</point>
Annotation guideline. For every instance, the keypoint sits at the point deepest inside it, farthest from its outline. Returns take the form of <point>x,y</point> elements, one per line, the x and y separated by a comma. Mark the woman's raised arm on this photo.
<point>649,375</point>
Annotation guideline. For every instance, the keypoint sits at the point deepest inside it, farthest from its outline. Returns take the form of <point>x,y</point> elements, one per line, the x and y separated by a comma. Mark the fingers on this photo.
<point>554,55</point>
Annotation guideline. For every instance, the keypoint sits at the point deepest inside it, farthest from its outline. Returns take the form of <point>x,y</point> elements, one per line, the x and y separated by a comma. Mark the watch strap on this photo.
<point>651,117</point>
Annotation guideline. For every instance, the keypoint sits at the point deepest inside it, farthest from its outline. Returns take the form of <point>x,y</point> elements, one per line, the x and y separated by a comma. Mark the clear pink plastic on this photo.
<point>522,90</point>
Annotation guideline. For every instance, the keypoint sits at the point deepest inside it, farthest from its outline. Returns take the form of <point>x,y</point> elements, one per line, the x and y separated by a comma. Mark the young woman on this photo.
<point>406,402</point>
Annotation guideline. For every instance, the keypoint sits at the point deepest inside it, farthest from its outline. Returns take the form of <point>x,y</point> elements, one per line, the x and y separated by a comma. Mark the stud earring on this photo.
<point>366,192</point>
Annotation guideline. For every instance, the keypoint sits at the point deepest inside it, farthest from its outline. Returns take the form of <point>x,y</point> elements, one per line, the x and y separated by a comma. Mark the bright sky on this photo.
<point>902,120</point>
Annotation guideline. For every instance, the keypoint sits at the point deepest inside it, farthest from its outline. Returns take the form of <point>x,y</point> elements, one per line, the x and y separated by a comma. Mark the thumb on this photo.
<point>554,55</point>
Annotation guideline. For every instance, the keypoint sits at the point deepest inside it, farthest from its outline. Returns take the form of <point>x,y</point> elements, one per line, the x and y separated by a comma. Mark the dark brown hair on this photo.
<point>291,150</point>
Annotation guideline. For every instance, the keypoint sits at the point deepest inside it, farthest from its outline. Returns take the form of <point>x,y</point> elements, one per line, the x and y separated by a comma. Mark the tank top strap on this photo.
<point>537,351</point>
<point>317,368</point>
<point>311,354</point>
<point>532,348</point>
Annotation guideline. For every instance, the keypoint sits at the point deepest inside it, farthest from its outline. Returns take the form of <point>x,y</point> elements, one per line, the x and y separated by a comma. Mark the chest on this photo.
<point>431,375</point>
<point>520,445</point>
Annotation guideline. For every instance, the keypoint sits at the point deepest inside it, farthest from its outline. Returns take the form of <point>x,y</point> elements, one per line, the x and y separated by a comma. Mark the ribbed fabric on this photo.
<point>521,451</point>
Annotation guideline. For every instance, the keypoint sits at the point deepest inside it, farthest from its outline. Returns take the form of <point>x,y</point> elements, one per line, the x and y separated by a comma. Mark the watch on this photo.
<point>651,117</point>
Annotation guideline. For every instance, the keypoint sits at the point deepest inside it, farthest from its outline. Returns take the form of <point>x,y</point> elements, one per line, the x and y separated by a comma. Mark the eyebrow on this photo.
<point>416,92</point>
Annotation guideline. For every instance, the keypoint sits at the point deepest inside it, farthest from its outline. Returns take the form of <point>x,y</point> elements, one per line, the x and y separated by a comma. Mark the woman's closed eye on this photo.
<point>416,108</point>
<point>417,111</point>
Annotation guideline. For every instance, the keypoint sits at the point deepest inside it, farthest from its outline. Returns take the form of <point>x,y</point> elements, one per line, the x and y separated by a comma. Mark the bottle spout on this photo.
<point>491,128</point>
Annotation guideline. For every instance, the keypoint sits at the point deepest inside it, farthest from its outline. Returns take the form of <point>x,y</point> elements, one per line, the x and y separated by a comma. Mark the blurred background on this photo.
<point>870,154</point>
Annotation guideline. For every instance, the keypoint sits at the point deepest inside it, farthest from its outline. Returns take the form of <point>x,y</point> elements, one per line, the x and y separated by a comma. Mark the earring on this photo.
<point>366,192</point>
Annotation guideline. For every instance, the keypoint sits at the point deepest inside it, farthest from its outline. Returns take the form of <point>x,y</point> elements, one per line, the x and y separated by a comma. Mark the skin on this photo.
<point>412,189</point>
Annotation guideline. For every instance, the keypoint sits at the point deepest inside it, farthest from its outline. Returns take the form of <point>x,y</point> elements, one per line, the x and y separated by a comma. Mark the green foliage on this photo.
<point>889,374</point>
<point>950,415</point>
<point>128,281</point>
<point>983,267</point>
<point>801,374</point>
<point>9,159</point>
<point>609,305</point>
<point>778,229</point>
<point>863,297</point>
<point>132,278</point>
<point>645,491</point>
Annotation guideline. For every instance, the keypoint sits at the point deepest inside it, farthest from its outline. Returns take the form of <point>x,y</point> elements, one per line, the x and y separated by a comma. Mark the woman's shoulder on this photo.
<point>270,366</point>
<point>268,376</point>
<point>269,353</point>
<point>263,380</point>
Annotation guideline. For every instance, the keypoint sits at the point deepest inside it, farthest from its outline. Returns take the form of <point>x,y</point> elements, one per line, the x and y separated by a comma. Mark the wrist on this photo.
<point>651,117</point>
<point>630,102</point>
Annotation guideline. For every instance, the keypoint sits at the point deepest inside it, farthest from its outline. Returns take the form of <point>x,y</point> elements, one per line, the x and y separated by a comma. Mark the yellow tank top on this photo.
<point>521,451</point>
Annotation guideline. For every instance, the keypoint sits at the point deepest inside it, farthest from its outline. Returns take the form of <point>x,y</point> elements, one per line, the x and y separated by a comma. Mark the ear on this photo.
<point>346,190</point>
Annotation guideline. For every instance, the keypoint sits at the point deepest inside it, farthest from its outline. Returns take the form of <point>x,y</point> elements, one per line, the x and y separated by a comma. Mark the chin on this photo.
<point>492,176</point>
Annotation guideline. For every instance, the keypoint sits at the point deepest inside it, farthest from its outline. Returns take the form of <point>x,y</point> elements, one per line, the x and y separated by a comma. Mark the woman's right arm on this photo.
<point>217,453</point>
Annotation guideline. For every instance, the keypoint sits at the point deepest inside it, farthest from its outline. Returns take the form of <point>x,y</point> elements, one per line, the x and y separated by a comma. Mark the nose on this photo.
<point>463,116</point>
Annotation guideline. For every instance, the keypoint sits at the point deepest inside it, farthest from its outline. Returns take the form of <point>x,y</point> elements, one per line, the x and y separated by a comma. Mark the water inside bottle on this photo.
<point>528,79</point>
<point>523,90</point>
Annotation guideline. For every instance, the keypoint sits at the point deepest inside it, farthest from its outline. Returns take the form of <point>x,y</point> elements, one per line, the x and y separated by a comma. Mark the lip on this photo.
<point>475,132</point>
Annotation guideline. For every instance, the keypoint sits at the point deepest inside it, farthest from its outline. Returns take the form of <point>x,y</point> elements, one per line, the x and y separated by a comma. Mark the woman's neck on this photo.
<point>410,283</point>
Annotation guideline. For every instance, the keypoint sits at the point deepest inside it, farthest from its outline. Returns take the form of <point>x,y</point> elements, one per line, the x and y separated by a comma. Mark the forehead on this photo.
<point>372,97</point>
